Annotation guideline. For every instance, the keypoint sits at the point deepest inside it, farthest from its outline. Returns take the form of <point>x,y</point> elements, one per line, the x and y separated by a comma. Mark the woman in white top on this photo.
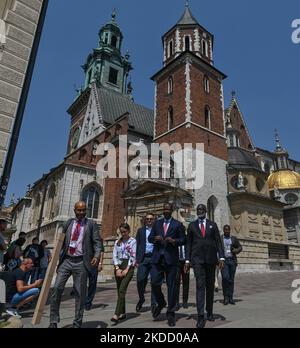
<point>124,258</point>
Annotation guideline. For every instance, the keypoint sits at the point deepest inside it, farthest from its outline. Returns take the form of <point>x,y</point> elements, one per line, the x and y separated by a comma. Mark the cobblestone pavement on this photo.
<point>262,300</point>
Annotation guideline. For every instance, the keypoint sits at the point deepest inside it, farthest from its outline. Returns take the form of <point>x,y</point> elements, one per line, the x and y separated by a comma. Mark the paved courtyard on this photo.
<point>263,300</point>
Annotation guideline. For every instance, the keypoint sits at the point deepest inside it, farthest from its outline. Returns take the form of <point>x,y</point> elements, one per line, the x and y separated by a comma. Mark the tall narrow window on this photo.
<point>114,41</point>
<point>170,85</point>
<point>187,43</point>
<point>206,84</point>
<point>113,76</point>
<point>106,38</point>
<point>91,197</point>
<point>170,118</point>
<point>170,49</point>
<point>204,48</point>
<point>207,117</point>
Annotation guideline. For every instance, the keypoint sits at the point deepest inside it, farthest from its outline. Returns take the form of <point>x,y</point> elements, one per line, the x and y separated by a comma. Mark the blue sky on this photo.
<point>253,47</point>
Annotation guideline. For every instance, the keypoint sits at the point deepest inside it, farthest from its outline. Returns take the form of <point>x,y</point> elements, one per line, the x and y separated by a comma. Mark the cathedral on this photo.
<point>256,191</point>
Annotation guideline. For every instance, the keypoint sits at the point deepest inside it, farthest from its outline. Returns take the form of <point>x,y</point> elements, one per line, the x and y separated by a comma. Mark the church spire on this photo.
<point>187,18</point>
<point>281,155</point>
<point>106,65</point>
<point>279,148</point>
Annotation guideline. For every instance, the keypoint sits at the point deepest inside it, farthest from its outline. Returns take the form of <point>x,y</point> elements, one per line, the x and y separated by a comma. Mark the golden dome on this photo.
<point>284,179</point>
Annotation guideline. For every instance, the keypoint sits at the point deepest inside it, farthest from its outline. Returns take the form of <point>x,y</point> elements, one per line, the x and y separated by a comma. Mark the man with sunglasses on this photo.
<point>144,253</point>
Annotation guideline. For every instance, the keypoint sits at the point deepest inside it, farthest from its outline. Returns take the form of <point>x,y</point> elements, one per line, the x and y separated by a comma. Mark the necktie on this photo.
<point>75,237</point>
<point>166,228</point>
<point>202,229</point>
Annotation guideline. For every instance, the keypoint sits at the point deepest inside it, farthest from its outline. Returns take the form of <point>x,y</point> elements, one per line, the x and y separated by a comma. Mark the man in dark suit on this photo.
<point>232,248</point>
<point>204,251</point>
<point>144,253</point>
<point>80,253</point>
<point>167,235</point>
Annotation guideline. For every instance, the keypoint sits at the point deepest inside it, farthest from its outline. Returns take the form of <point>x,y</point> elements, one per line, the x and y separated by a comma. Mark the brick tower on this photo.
<point>189,106</point>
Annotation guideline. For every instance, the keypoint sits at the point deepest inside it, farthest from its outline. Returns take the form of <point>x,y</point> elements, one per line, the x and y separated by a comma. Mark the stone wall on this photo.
<point>19,23</point>
<point>255,258</point>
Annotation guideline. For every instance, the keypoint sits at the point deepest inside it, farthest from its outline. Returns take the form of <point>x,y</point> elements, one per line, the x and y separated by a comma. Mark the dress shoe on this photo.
<point>153,306</point>
<point>210,317</point>
<point>114,320</point>
<point>231,301</point>
<point>226,301</point>
<point>185,305</point>
<point>157,311</point>
<point>52,326</point>
<point>139,306</point>
<point>200,323</point>
<point>171,322</point>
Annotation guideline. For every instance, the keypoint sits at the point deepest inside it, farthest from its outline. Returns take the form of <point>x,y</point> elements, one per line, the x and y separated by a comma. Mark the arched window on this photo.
<point>106,38</point>
<point>37,209</point>
<point>267,168</point>
<point>170,49</point>
<point>50,204</point>
<point>207,117</point>
<point>170,85</point>
<point>187,43</point>
<point>206,84</point>
<point>170,118</point>
<point>114,41</point>
<point>204,48</point>
<point>91,196</point>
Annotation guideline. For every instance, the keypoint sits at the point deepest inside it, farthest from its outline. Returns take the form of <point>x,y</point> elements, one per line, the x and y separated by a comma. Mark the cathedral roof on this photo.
<point>114,104</point>
<point>242,159</point>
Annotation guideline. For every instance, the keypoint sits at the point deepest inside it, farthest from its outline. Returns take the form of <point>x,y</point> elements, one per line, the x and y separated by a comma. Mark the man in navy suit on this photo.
<point>204,252</point>
<point>167,235</point>
<point>144,253</point>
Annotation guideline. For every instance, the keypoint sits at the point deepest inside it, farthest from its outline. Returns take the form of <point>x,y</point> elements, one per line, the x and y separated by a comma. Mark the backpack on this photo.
<point>32,253</point>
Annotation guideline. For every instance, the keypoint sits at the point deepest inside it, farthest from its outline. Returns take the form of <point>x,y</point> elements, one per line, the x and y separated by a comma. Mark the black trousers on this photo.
<point>228,276</point>
<point>157,276</point>
<point>185,277</point>
<point>205,283</point>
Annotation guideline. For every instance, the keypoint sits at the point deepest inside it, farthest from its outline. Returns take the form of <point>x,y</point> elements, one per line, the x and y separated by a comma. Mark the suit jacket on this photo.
<point>140,245</point>
<point>207,250</point>
<point>170,252</point>
<point>92,242</point>
<point>235,245</point>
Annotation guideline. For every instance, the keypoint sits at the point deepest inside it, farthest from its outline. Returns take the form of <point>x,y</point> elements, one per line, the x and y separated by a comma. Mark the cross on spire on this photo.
<point>187,3</point>
<point>114,15</point>
<point>278,144</point>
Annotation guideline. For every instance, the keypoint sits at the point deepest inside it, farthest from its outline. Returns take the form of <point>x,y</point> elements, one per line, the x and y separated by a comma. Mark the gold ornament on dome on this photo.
<point>284,179</point>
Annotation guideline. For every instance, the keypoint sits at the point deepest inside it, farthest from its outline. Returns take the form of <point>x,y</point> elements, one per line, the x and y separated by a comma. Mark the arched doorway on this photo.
<point>212,205</point>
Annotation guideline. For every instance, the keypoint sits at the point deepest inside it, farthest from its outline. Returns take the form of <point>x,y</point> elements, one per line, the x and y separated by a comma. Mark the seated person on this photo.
<point>18,293</point>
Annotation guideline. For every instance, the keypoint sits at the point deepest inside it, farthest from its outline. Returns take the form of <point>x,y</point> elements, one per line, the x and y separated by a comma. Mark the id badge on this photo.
<point>73,244</point>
